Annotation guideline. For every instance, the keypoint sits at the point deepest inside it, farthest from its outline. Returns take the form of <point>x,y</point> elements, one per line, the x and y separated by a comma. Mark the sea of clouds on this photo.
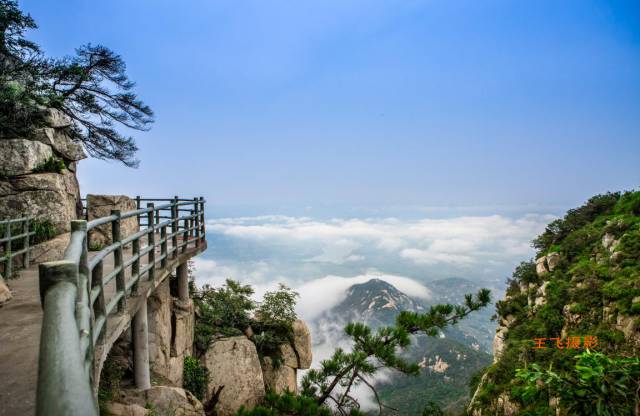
<point>322,258</point>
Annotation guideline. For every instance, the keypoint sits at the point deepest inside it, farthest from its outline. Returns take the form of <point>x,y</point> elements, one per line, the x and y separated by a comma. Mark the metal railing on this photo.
<point>77,306</point>
<point>14,238</point>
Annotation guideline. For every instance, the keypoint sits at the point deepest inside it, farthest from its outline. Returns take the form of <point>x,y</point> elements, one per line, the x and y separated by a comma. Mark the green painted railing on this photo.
<point>77,306</point>
<point>14,241</point>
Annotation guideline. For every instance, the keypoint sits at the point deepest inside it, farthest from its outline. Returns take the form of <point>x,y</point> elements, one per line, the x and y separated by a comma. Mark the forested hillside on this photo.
<point>582,293</point>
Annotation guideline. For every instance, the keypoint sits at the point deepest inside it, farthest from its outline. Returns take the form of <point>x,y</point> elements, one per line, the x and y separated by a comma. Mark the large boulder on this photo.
<point>279,377</point>
<point>171,331</point>
<point>5,293</point>
<point>45,196</point>
<point>22,156</point>
<point>56,118</point>
<point>173,401</point>
<point>235,374</point>
<point>541,266</point>
<point>61,143</point>
<point>121,409</point>
<point>302,343</point>
<point>99,206</point>
<point>50,250</point>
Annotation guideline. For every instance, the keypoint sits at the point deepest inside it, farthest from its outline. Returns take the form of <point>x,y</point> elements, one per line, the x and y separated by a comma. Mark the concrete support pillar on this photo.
<point>183,281</point>
<point>140,335</point>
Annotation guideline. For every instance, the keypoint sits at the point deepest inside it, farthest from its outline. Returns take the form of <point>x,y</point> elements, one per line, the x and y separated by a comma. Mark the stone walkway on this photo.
<point>20,325</point>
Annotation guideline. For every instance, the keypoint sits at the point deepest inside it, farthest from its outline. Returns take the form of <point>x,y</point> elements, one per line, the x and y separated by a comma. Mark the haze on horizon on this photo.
<point>370,103</point>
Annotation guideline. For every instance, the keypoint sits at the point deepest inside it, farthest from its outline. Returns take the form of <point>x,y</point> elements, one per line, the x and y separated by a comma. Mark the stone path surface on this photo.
<point>20,325</point>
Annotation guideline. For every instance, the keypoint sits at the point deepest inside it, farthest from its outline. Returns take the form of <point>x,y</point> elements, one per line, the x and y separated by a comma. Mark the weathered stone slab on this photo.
<point>21,156</point>
<point>173,401</point>
<point>302,343</point>
<point>50,250</point>
<point>52,196</point>
<point>99,206</point>
<point>5,293</point>
<point>61,143</point>
<point>234,366</point>
<point>279,379</point>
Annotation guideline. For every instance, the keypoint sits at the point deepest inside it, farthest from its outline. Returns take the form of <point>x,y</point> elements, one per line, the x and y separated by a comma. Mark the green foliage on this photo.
<point>278,306</point>
<point>95,246</point>
<point>288,404</point>
<point>44,230</point>
<point>591,282</point>
<point>91,88</point>
<point>51,165</point>
<point>372,350</point>
<point>196,377</point>
<point>224,310</point>
<point>110,378</point>
<point>596,385</point>
<point>432,409</point>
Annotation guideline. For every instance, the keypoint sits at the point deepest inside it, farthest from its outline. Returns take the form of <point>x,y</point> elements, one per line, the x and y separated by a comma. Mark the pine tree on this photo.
<point>91,88</point>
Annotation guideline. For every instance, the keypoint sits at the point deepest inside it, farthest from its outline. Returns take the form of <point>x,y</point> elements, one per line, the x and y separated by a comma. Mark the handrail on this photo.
<point>7,241</point>
<point>77,307</point>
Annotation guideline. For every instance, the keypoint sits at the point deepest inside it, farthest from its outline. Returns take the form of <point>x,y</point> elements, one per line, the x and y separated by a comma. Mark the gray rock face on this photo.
<point>50,250</point>
<point>173,401</point>
<point>541,266</point>
<point>552,260</point>
<point>21,156</point>
<point>5,293</point>
<point>99,206</point>
<point>499,343</point>
<point>171,326</point>
<point>120,409</point>
<point>279,379</point>
<point>234,366</point>
<point>302,343</point>
<point>51,196</point>
<point>61,143</point>
<point>56,118</point>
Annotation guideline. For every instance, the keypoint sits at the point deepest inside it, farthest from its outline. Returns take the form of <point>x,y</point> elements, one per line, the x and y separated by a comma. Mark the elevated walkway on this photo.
<point>118,281</point>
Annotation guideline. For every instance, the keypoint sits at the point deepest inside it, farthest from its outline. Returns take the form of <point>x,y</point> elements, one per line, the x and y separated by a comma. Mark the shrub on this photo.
<point>52,165</point>
<point>196,377</point>
<point>44,230</point>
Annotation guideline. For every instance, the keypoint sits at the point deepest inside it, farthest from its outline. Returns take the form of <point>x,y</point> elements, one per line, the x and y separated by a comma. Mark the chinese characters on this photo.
<point>571,342</point>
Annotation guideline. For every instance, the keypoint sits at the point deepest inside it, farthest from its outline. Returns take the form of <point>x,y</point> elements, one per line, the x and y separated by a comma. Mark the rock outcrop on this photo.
<point>173,401</point>
<point>158,400</point>
<point>235,375</point>
<point>302,343</point>
<point>29,187</point>
<point>171,331</point>
<point>101,206</point>
<point>5,293</point>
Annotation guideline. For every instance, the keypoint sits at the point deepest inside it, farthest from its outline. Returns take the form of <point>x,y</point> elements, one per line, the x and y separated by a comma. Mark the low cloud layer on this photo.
<point>322,258</point>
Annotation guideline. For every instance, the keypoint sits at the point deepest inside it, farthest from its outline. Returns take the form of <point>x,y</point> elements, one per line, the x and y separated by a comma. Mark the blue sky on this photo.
<point>262,106</point>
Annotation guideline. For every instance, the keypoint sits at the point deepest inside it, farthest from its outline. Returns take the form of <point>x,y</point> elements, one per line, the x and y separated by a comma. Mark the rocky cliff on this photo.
<point>38,174</point>
<point>581,291</point>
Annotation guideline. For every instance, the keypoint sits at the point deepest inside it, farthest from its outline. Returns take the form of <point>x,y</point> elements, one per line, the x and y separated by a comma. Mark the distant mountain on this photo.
<point>478,325</point>
<point>375,303</point>
<point>447,361</point>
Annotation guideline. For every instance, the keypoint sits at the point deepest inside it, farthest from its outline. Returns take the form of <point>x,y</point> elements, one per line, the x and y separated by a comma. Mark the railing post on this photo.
<point>183,281</point>
<point>135,266</point>
<point>163,246</point>
<point>137,208</point>
<point>8,264</point>
<point>117,259</point>
<point>202,226</point>
<point>25,230</point>
<point>140,334</point>
<point>151,240</point>
<point>185,235</point>
<point>196,206</point>
<point>84,311</point>
<point>192,213</point>
<point>100,307</point>
<point>174,226</point>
